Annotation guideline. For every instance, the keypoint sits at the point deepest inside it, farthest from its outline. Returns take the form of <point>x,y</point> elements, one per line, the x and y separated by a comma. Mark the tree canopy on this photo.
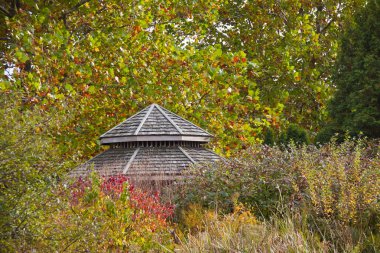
<point>233,67</point>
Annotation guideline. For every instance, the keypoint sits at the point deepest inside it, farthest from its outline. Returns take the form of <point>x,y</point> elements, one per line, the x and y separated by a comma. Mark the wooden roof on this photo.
<point>147,162</point>
<point>153,144</point>
<point>155,123</point>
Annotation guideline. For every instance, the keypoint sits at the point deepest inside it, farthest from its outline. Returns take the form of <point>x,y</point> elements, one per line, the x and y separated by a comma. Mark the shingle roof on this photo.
<point>152,144</point>
<point>147,162</point>
<point>155,123</point>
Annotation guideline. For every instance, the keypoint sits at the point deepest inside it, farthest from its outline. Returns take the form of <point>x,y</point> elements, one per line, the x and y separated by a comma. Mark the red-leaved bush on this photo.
<point>146,201</point>
<point>99,214</point>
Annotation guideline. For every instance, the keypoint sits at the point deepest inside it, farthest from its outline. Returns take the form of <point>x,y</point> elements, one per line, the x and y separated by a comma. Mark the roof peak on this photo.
<point>151,107</point>
<point>155,123</point>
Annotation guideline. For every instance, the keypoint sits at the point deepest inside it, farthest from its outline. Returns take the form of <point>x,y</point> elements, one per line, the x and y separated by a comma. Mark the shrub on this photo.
<point>259,178</point>
<point>334,184</point>
<point>269,137</point>
<point>99,215</point>
<point>327,133</point>
<point>296,134</point>
<point>29,164</point>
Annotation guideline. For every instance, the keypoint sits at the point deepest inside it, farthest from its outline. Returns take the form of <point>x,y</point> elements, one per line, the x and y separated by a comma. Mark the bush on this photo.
<point>293,134</point>
<point>29,165</point>
<point>101,215</point>
<point>269,137</point>
<point>296,134</point>
<point>335,186</point>
<point>327,133</point>
<point>255,179</point>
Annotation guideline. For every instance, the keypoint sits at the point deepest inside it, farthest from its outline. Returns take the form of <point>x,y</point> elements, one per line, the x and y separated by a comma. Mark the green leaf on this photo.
<point>68,87</point>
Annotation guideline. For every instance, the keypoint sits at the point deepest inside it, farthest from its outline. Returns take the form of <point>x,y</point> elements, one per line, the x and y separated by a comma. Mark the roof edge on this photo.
<point>119,139</point>
<point>187,155</point>
<point>130,161</point>
<point>169,119</point>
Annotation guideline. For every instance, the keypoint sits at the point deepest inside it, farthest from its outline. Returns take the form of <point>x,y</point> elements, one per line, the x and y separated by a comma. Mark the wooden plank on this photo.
<point>130,161</point>
<point>144,119</point>
<point>186,154</point>
<point>108,140</point>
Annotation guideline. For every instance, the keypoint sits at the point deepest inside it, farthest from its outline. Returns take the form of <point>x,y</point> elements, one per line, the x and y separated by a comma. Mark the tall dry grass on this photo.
<point>240,231</point>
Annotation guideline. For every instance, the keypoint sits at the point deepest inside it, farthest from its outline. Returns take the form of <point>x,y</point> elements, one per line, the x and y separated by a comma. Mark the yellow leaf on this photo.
<point>297,76</point>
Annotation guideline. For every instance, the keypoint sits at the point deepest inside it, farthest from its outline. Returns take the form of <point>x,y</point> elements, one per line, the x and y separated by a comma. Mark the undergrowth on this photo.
<point>327,197</point>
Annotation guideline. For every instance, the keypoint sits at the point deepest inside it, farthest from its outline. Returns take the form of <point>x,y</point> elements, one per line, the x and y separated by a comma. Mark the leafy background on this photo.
<point>235,68</point>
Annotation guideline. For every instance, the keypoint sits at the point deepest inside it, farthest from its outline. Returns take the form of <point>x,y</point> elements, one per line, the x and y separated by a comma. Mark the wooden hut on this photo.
<point>154,144</point>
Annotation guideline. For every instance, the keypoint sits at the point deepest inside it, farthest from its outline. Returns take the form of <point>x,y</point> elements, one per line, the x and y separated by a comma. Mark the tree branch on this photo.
<point>5,12</point>
<point>327,26</point>
<point>74,8</point>
<point>15,5</point>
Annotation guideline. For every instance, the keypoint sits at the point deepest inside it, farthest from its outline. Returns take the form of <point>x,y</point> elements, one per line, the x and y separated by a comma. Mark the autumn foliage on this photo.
<point>103,214</point>
<point>148,202</point>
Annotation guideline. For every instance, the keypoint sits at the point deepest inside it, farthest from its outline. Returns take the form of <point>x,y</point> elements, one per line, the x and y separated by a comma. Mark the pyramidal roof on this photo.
<point>155,123</point>
<point>153,144</point>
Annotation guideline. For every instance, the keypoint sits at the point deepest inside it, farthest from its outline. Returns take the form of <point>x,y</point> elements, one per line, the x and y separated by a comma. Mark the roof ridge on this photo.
<point>144,119</point>
<point>186,154</point>
<point>130,161</point>
<point>188,122</point>
<point>169,119</point>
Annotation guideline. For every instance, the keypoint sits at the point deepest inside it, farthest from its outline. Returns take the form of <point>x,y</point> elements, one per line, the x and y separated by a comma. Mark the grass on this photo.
<point>232,233</point>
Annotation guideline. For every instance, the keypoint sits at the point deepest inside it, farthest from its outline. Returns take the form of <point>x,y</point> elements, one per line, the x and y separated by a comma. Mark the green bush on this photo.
<point>269,137</point>
<point>29,165</point>
<point>327,133</point>
<point>296,134</point>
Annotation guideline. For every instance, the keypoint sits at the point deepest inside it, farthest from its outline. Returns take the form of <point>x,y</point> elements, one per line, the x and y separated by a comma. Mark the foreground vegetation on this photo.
<point>303,198</point>
<point>269,199</point>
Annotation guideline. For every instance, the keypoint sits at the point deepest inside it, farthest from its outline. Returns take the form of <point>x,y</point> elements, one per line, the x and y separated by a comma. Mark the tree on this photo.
<point>355,107</point>
<point>98,62</point>
<point>290,48</point>
<point>29,165</point>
